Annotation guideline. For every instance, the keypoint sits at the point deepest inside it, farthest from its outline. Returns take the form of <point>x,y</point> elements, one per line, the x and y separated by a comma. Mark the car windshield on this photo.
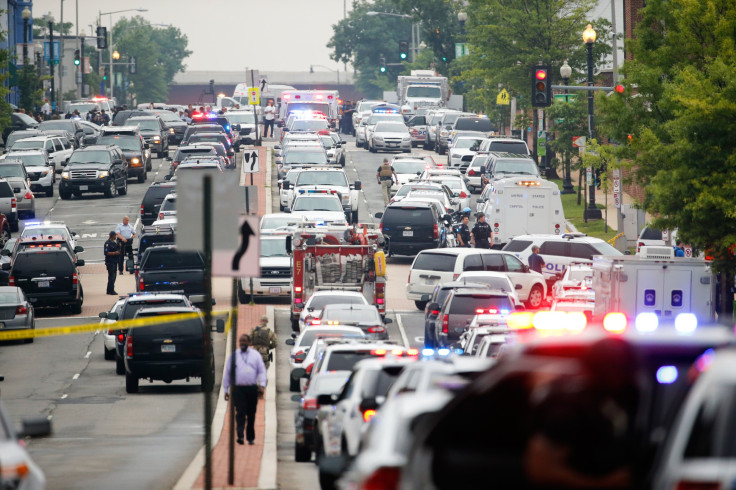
<point>63,125</point>
<point>11,170</point>
<point>579,274</point>
<point>173,260</point>
<point>125,142</point>
<point>168,204</point>
<point>182,328</point>
<point>314,203</point>
<point>42,263</point>
<point>312,333</point>
<point>501,283</point>
<point>82,108</point>
<point>349,316</point>
<point>93,156</point>
<point>327,384</point>
<point>298,156</point>
<point>273,247</point>
<point>319,302</point>
<point>167,116</point>
<point>28,144</point>
<point>470,143</point>
<point>272,222</point>
<point>241,117</point>
<point>309,125</point>
<point>473,124</point>
<point>516,167</point>
<point>453,184</point>
<point>367,106</point>
<point>424,92</point>
<point>604,248</point>
<point>509,147</point>
<point>391,127</point>
<point>406,189</point>
<point>182,154</point>
<point>322,178</point>
<point>467,305</point>
<point>327,141</point>
<point>409,167</point>
<point>45,230</point>
<point>307,107</point>
<point>210,138</point>
<point>145,124</point>
<point>376,118</point>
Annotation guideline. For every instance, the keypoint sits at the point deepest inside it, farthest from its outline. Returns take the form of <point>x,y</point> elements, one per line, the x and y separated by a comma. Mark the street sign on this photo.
<point>243,260</point>
<point>57,51</point>
<point>86,65</point>
<point>461,49</point>
<point>263,84</point>
<point>665,235</point>
<point>579,141</point>
<point>503,98</point>
<point>688,252</point>
<point>565,97</point>
<point>616,200</point>
<point>254,97</point>
<point>252,77</point>
<point>616,192</point>
<point>250,161</point>
<point>588,178</point>
<point>224,223</point>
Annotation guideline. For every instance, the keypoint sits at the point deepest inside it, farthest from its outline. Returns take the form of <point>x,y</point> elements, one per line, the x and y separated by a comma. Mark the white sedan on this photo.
<point>463,150</point>
<point>318,205</point>
<point>407,170</point>
<point>459,190</point>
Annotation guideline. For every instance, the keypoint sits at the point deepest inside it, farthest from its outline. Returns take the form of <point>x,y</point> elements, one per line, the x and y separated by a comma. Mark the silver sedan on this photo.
<point>16,312</point>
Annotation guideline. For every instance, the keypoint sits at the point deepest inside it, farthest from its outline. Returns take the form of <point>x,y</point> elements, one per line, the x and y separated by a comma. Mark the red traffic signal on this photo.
<point>541,87</point>
<point>541,74</point>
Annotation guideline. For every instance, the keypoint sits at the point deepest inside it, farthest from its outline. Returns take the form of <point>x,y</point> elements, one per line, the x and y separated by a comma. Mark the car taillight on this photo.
<point>300,356</point>
<point>455,276</point>
<point>310,404</point>
<point>129,346</point>
<point>75,278</point>
<point>638,247</point>
<point>140,284</point>
<point>368,415</point>
<point>384,478</point>
<point>445,323</point>
<point>471,172</point>
<point>121,337</point>
<point>697,485</point>
<point>376,329</point>
<point>21,310</point>
<point>315,321</point>
<point>142,209</point>
<point>463,194</point>
<point>435,231</point>
<point>160,215</point>
<point>29,195</point>
<point>309,368</point>
<point>13,203</point>
<point>11,281</point>
<point>380,225</point>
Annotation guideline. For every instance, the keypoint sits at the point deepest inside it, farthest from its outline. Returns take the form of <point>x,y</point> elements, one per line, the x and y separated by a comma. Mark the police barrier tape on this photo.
<point>22,334</point>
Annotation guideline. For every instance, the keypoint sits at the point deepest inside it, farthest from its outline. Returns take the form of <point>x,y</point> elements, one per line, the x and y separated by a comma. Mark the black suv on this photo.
<point>136,151</point>
<point>168,350</point>
<point>95,168</point>
<point>152,200</point>
<point>190,150</point>
<point>154,235</point>
<point>201,128</point>
<point>461,305</point>
<point>411,228</point>
<point>434,302</point>
<point>154,133</point>
<point>48,277</point>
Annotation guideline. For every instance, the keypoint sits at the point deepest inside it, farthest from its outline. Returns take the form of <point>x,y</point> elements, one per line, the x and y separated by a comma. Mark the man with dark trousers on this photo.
<point>112,256</point>
<point>250,383</point>
<point>481,232</point>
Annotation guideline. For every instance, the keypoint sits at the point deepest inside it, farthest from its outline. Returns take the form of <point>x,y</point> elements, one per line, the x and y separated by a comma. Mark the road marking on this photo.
<point>76,376</point>
<point>419,340</point>
<point>137,222</point>
<point>64,396</point>
<point>404,338</point>
<point>89,235</point>
<point>89,352</point>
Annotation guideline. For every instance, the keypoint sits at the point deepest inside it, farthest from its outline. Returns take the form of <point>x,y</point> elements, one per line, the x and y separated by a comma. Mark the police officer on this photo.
<point>125,233</point>
<point>481,233</point>
<point>463,233</point>
<point>112,255</point>
<point>385,176</point>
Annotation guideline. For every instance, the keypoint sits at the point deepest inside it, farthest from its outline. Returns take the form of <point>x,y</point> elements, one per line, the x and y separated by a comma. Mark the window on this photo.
<point>493,262</point>
<point>554,248</point>
<point>346,360</point>
<point>582,251</point>
<point>6,190</point>
<point>466,305</point>
<point>676,298</point>
<point>509,147</point>
<point>516,245</point>
<point>65,143</point>
<point>49,146</point>
<point>513,264</point>
<point>173,260</point>
<point>189,328</point>
<point>713,433</point>
<point>473,262</point>
<point>434,262</point>
<point>408,216</point>
<point>649,233</point>
<point>650,297</point>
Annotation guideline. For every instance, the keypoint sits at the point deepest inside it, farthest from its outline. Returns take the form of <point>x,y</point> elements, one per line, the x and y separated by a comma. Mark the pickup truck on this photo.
<point>327,178</point>
<point>164,268</point>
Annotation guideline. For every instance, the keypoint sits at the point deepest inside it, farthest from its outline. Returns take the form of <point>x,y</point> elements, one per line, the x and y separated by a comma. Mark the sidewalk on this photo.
<point>254,466</point>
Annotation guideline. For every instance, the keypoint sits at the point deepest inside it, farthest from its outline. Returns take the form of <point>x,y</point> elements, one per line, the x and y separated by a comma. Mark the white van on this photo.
<point>521,206</point>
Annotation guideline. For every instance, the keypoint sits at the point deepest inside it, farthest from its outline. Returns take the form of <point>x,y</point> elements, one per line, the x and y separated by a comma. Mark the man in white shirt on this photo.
<point>125,233</point>
<point>269,114</point>
<point>46,110</point>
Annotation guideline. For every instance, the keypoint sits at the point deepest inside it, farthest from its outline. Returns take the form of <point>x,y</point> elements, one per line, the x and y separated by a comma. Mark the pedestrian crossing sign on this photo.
<point>503,98</point>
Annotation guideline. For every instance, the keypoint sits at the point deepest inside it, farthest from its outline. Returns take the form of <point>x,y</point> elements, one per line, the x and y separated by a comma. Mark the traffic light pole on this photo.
<point>51,65</point>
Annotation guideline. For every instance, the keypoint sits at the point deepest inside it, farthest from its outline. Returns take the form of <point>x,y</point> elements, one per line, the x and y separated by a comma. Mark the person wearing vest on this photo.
<point>481,232</point>
<point>263,340</point>
<point>385,177</point>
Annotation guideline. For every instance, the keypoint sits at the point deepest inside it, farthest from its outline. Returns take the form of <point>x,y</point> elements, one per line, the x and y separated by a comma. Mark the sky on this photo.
<point>227,35</point>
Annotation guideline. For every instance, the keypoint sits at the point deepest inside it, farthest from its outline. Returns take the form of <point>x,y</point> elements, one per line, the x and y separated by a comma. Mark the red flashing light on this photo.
<point>479,311</point>
<point>378,352</point>
<point>615,322</point>
<point>286,96</point>
<point>298,289</point>
<point>309,404</point>
<point>297,300</point>
<point>384,478</point>
<point>315,321</point>
<point>463,194</point>
<point>445,323</point>
<point>412,352</point>
<point>368,415</point>
<point>471,172</point>
<point>541,74</point>
<point>397,352</point>
<point>434,312</point>
<point>121,337</point>
<point>29,195</point>
<point>379,301</point>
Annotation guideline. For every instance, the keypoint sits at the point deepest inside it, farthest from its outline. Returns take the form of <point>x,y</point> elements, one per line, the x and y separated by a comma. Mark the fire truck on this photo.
<point>345,258</point>
<point>326,102</point>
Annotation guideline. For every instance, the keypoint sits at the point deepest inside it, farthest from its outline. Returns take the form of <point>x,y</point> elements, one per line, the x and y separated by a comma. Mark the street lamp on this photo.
<point>414,27</point>
<point>109,45</point>
<point>50,20</point>
<point>26,15</point>
<point>115,55</point>
<point>589,35</point>
<point>311,70</point>
<point>565,72</point>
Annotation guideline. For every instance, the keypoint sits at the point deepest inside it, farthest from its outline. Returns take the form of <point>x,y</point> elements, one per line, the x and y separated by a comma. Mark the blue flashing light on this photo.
<point>704,360</point>
<point>227,127</point>
<point>443,351</point>
<point>666,375</point>
<point>459,351</point>
<point>427,352</point>
<point>686,323</point>
<point>504,312</point>
<point>647,321</point>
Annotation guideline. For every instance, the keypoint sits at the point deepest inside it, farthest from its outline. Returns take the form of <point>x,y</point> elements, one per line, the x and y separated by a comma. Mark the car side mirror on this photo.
<point>310,309</point>
<point>277,147</point>
<point>628,252</point>
<point>326,399</point>
<point>167,177</point>
<point>526,268</point>
<point>358,185</point>
<point>482,169</point>
<point>387,321</point>
<point>78,249</point>
<point>6,266</point>
<point>296,398</point>
<point>518,286</point>
<point>289,341</point>
<point>146,146</point>
<point>80,262</point>
<point>289,249</point>
<point>287,185</point>
<point>368,404</point>
<point>287,210</point>
<point>112,316</point>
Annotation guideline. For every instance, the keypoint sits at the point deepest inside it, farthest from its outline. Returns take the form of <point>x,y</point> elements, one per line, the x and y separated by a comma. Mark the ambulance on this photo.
<point>326,102</point>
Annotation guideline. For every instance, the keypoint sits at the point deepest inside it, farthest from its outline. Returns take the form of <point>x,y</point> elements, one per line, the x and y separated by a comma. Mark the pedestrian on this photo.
<point>269,114</point>
<point>385,176</point>
<point>46,110</point>
<point>536,262</point>
<point>679,250</point>
<point>250,383</point>
<point>104,118</point>
<point>264,340</point>
<point>112,253</point>
<point>481,233</point>
<point>463,233</point>
<point>125,233</point>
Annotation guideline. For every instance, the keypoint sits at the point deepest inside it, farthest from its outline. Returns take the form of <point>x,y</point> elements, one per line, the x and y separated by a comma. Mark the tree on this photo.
<point>30,85</point>
<point>567,119</point>
<point>41,28</point>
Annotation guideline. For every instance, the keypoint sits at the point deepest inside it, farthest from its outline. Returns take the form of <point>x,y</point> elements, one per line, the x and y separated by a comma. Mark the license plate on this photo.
<point>274,290</point>
<point>429,281</point>
<point>393,144</point>
<point>408,233</point>
<point>83,187</point>
<point>168,348</point>
<point>44,284</point>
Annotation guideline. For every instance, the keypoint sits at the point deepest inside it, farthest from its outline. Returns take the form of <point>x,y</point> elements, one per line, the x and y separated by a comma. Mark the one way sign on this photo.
<point>250,161</point>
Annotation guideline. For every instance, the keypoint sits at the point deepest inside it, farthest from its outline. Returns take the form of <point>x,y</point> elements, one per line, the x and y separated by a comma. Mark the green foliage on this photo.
<point>567,119</point>
<point>41,28</point>
<point>30,85</point>
<point>682,119</point>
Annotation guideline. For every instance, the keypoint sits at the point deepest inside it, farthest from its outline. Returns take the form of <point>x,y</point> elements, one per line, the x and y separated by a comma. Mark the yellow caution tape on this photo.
<point>22,334</point>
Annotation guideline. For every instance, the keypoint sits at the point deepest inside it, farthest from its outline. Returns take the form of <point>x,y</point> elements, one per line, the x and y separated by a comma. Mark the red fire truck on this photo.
<point>337,258</point>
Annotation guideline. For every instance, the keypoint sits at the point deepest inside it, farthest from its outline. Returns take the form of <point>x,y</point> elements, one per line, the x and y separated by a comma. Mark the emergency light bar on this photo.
<point>528,183</point>
<point>317,191</point>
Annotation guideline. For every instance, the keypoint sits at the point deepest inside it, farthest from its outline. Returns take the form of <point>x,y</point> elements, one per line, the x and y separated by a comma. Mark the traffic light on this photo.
<point>382,65</point>
<point>541,87</point>
<point>101,37</point>
<point>403,50</point>
<point>106,73</point>
<point>133,65</point>
<point>77,58</point>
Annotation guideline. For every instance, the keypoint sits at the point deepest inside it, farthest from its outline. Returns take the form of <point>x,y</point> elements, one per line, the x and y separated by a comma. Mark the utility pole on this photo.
<point>51,64</point>
<point>61,57</point>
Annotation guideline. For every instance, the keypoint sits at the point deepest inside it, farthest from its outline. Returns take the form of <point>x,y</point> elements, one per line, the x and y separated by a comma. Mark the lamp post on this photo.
<point>50,20</point>
<point>26,15</point>
<point>109,43</point>
<point>414,27</point>
<point>589,35</point>
<point>565,72</point>
<point>311,70</point>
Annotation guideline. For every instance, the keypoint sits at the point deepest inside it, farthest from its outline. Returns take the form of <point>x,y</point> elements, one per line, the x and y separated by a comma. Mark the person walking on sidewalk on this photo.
<point>264,340</point>
<point>385,176</point>
<point>126,233</point>
<point>112,253</point>
<point>250,383</point>
<point>269,114</point>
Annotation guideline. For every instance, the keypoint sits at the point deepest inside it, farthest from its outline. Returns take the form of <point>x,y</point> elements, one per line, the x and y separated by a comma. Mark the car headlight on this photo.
<point>65,175</point>
<point>104,174</point>
<point>135,160</point>
<point>156,139</point>
<point>443,133</point>
<point>45,172</point>
<point>171,130</point>
<point>378,138</point>
<point>345,197</point>
<point>406,138</point>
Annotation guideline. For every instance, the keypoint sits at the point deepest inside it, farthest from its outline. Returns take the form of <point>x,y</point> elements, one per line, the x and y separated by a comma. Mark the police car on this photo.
<point>559,251</point>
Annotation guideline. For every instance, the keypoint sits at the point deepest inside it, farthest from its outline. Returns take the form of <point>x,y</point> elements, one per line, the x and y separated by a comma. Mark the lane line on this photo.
<point>89,352</point>
<point>400,324</point>
<point>75,377</point>
<point>64,396</point>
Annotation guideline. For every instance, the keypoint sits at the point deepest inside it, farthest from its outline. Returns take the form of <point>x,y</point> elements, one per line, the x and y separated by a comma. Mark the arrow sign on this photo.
<point>241,261</point>
<point>579,141</point>
<point>245,233</point>
<point>250,162</point>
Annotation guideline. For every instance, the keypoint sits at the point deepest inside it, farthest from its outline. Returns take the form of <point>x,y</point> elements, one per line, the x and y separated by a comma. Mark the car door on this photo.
<point>519,275</point>
<point>334,423</point>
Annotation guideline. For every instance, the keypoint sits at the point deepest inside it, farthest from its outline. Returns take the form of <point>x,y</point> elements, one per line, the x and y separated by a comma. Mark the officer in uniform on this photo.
<point>112,255</point>
<point>385,176</point>
<point>481,232</point>
<point>463,233</point>
<point>263,340</point>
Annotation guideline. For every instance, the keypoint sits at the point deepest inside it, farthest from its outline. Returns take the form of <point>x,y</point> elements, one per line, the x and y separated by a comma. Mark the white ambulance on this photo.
<point>522,206</point>
<point>326,102</point>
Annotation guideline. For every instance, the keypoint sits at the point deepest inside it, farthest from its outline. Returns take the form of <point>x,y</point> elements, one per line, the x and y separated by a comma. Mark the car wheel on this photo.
<point>131,383</point>
<point>535,298</point>
<point>109,354</point>
<point>124,189</point>
<point>160,154</point>
<point>14,226</point>
<point>77,307</point>
<point>119,364</point>
<point>65,194</point>
<point>420,305</point>
<point>326,480</point>
<point>4,236</point>
<point>141,178</point>
<point>302,453</point>
<point>50,191</point>
<point>295,325</point>
<point>111,190</point>
<point>293,385</point>
<point>208,383</point>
